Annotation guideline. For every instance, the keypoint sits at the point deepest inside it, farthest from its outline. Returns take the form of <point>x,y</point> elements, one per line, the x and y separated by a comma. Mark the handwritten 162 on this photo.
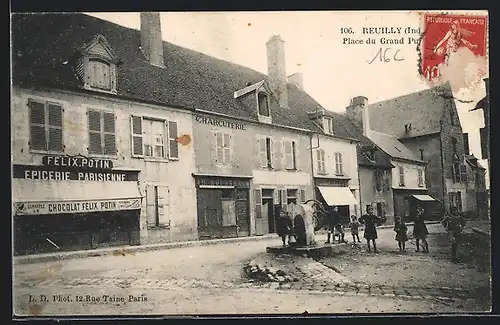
<point>387,55</point>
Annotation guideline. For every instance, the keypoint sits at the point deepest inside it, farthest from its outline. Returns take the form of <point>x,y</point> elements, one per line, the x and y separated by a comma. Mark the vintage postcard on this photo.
<point>209,163</point>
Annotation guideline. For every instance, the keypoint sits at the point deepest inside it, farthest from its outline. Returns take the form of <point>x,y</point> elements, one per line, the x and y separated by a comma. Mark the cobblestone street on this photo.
<point>209,279</point>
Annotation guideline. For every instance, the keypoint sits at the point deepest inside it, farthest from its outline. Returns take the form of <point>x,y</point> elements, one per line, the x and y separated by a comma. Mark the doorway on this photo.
<point>268,210</point>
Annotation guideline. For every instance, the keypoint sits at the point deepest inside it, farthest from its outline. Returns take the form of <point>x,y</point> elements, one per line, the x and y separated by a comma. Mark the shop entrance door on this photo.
<point>209,214</point>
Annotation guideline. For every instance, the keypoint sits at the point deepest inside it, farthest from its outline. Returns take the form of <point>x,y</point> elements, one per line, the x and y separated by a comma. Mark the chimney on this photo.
<point>357,111</point>
<point>151,41</point>
<point>297,79</point>
<point>276,69</point>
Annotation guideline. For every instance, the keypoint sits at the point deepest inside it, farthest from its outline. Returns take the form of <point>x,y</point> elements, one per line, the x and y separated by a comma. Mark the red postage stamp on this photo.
<point>445,35</point>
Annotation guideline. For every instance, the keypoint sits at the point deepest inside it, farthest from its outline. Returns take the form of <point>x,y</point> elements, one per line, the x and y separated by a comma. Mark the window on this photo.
<point>290,151</point>
<point>266,152</point>
<point>223,148</point>
<point>401,176</point>
<point>328,125</point>
<point>291,196</point>
<point>320,153</point>
<point>421,154</point>
<point>454,145</point>
<point>99,74</point>
<point>455,200</point>
<point>46,128</point>
<point>157,206</point>
<point>379,179</point>
<point>420,177</point>
<point>102,136</point>
<point>263,104</point>
<point>338,164</point>
<point>149,138</point>
<point>466,143</point>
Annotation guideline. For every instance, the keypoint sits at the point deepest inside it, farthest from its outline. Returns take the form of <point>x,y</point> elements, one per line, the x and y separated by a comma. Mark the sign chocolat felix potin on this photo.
<point>79,168</point>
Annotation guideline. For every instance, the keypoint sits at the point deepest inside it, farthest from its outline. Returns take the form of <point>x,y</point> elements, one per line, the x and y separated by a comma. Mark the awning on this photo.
<point>424,198</point>
<point>337,195</point>
<point>32,197</point>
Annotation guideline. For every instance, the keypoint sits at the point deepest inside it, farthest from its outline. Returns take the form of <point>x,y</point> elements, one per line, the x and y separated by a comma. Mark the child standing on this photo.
<point>401,236</point>
<point>354,225</point>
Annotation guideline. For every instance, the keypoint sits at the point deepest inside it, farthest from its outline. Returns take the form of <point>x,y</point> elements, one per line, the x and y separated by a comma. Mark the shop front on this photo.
<point>407,201</point>
<point>336,192</point>
<point>73,203</point>
<point>222,206</point>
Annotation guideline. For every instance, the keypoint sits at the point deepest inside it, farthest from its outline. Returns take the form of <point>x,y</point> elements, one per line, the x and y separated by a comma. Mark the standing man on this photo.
<point>454,225</point>
<point>371,221</point>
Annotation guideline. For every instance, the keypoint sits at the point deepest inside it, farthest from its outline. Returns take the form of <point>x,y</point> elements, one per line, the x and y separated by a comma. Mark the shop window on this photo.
<point>339,170</point>
<point>228,194</point>
<point>102,132</point>
<point>157,206</point>
<point>290,154</point>
<point>266,149</point>
<point>401,176</point>
<point>154,138</point>
<point>222,148</point>
<point>420,178</point>
<point>320,156</point>
<point>46,127</point>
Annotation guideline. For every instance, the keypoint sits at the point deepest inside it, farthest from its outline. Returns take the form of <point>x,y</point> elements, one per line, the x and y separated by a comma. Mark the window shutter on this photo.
<point>55,126</point>
<point>258,203</point>
<point>341,169</point>
<point>262,152</point>
<point>163,205</point>
<point>323,161</point>
<point>219,152</point>
<point>172,140</point>
<point>276,199</point>
<point>302,195</point>
<point>38,137</point>
<point>227,148</point>
<point>294,148</point>
<point>109,133</point>
<point>288,154</point>
<point>151,204</point>
<point>95,144</point>
<point>318,159</point>
<point>284,199</point>
<point>272,158</point>
<point>137,141</point>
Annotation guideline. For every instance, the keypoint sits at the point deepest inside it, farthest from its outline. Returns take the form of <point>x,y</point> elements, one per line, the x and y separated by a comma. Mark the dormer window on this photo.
<point>263,102</point>
<point>328,125</point>
<point>96,66</point>
<point>99,74</point>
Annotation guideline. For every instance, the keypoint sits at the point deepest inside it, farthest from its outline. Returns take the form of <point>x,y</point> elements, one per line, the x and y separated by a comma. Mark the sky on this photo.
<point>334,69</point>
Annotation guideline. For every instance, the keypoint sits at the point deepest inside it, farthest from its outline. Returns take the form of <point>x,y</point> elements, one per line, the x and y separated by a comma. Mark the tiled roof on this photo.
<point>45,45</point>
<point>423,110</point>
<point>381,159</point>
<point>392,146</point>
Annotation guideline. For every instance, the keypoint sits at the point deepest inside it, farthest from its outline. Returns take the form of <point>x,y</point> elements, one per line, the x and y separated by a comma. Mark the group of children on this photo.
<point>453,223</point>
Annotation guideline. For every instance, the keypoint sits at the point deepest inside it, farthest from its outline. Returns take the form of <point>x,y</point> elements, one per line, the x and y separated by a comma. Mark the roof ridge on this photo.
<point>444,86</point>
